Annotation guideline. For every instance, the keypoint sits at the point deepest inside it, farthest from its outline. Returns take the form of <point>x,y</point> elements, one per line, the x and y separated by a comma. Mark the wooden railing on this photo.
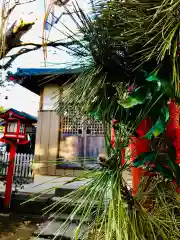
<point>22,166</point>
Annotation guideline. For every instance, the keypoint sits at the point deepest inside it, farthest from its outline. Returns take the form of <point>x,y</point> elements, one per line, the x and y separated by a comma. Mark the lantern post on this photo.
<point>15,133</point>
<point>10,174</point>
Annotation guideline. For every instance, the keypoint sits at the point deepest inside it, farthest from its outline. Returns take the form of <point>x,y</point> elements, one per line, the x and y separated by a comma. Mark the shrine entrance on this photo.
<point>82,140</point>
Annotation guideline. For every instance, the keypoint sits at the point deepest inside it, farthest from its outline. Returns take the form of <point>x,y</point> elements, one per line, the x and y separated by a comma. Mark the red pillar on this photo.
<point>113,134</point>
<point>173,130</point>
<point>138,146</point>
<point>173,127</point>
<point>9,178</point>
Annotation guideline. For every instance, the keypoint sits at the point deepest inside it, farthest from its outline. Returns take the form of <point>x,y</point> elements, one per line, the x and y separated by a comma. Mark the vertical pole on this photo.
<point>84,135</point>
<point>173,131</point>
<point>113,134</point>
<point>138,146</point>
<point>173,127</point>
<point>9,178</point>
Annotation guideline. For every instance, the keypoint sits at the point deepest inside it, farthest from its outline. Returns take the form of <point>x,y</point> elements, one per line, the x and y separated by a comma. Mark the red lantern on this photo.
<point>15,124</point>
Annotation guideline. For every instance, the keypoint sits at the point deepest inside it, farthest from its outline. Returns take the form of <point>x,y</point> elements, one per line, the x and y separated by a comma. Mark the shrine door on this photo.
<point>81,141</point>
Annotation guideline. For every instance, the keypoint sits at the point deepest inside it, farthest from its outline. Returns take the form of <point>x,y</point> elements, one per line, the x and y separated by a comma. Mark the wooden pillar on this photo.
<point>53,143</point>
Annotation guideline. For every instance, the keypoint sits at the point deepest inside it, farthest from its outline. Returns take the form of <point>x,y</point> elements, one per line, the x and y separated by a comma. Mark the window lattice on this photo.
<point>72,123</point>
<point>94,127</point>
<point>22,127</point>
<point>75,124</point>
<point>12,127</point>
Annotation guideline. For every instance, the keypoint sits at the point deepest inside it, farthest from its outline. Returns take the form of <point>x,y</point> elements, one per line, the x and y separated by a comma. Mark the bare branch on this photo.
<point>49,44</point>
<point>10,10</point>
<point>15,32</point>
<point>30,1</point>
<point>36,47</point>
<point>14,56</point>
<point>61,3</point>
<point>13,36</point>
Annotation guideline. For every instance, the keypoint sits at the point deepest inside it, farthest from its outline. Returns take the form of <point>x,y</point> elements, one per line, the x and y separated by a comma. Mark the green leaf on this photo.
<point>159,126</point>
<point>95,115</point>
<point>153,77</point>
<point>165,113</point>
<point>144,158</point>
<point>130,102</point>
<point>156,130</point>
<point>139,93</point>
<point>138,96</point>
<point>165,172</point>
<point>163,84</point>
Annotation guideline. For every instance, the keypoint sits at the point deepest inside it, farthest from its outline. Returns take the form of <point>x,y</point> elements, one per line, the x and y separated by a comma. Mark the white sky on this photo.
<point>31,12</point>
<point>18,97</point>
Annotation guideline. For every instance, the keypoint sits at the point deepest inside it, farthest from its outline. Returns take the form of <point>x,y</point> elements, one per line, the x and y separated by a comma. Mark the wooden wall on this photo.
<point>48,135</point>
<point>47,138</point>
<point>50,97</point>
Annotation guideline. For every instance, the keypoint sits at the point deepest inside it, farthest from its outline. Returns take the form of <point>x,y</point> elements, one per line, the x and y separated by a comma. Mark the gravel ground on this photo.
<point>17,229</point>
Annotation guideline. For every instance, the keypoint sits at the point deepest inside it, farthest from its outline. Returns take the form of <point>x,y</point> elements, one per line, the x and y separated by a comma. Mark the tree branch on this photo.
<point>14,56</point>
<point>10,10</point>
<point>49,44</point>
<point>13,37</point>
<point>61,3</point>
<point>14,34</point>
<point>36,47</point>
